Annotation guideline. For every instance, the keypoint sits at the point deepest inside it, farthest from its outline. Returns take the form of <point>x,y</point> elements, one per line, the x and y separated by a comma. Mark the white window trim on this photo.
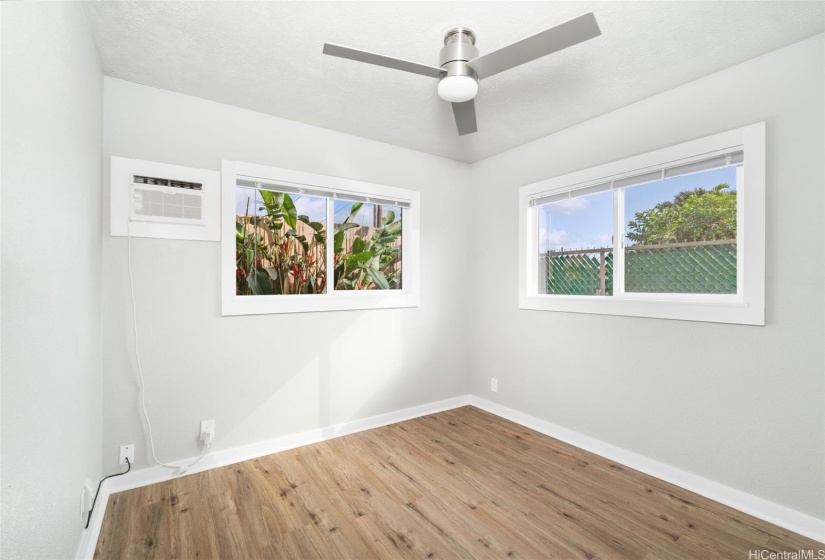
<point>232,304</point>
<point>746,307</point>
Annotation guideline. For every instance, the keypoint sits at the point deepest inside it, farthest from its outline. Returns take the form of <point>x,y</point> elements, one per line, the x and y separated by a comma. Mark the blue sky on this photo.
<point>312,206</point>
<point>586,222</point>
<point>366,215</point>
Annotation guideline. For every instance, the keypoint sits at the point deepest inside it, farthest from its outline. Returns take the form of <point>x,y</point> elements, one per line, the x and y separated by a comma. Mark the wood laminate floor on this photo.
<point>458,484</point>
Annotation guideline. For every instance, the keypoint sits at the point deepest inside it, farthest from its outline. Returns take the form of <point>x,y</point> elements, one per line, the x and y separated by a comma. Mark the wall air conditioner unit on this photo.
<point>150,199</point>
<point>156,199</point>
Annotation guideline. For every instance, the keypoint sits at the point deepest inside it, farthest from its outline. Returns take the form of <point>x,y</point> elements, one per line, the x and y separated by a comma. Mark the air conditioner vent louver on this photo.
<point>164,201</point>
<point>150,203</point>
<point>167,183</point>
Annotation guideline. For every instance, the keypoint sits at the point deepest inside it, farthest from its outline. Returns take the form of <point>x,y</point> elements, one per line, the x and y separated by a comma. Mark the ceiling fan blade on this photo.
<point>465,117</point>
<point>536,46</point>
<point>382,60</point>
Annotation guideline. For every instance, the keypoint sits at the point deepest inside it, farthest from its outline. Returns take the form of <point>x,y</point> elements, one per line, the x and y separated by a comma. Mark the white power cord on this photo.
<point>181,468</point>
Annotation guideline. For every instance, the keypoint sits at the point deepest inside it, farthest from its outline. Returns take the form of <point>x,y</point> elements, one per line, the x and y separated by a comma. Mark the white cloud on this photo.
<point>604,240</point>
<point>552,239</point>
<point>573,205</point>
<point>314,207</point>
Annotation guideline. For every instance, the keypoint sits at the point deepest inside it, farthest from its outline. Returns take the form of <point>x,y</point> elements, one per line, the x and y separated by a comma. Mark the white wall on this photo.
<point>737,404</point>
<point>52,98</point>
<point>265,376</point>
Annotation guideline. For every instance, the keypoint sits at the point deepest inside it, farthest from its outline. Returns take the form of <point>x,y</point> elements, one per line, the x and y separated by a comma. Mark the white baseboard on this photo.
<point>782,516</point>
<point>152,475</point>
<point>771,512</point>
<point>88,538</point>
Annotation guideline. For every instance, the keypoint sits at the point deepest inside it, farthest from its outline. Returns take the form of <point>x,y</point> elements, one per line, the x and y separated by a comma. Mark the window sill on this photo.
<point>340,301</point>
<point>711,311</point>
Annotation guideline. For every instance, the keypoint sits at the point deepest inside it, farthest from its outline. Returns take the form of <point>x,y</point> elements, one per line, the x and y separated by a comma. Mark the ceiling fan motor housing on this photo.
<point>459,47</point>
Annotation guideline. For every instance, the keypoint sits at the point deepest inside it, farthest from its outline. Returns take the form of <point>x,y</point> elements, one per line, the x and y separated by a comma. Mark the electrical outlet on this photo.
<point>127,451</point>
<point>86,497</point>
<point>494,384</point>
<point>207,431</point>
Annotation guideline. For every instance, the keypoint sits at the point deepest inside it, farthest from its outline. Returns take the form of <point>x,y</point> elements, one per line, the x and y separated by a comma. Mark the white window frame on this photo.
<point>333,300</point>
<point>746,307</point>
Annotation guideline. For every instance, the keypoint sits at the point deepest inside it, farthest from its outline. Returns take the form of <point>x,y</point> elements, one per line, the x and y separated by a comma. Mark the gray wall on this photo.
<point>51,401</point>
<point>265,376</point>
<point>737,404</point>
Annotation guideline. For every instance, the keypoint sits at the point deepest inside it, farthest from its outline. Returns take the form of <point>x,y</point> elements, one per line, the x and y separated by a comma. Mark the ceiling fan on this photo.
<point>461,67</point>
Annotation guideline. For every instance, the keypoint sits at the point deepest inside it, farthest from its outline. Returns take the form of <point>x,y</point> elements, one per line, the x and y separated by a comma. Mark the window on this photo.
<point>368,240</point>
<point>677,233</point>
<point>296,242</point>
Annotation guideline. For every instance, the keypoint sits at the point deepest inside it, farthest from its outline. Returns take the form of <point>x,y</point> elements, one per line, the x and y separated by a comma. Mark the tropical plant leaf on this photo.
<point>353,212</point>
<point>392,229</point>
<point>272,272</point>
<point>359,258</point>
<point>302,239</point>
<point>262,277</point>
<point>290,213</point>
<point>304,218</point>
<point>268,197</point>
<point>344,227</point>
<point>378,278</point>
<point>358,245</point>
<point>339,236</point>
<point>272,203</point>
<point>388,218</point>
<point>252,282</point>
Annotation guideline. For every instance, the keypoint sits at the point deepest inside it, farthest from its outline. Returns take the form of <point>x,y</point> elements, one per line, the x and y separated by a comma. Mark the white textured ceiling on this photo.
<point>266,56</point>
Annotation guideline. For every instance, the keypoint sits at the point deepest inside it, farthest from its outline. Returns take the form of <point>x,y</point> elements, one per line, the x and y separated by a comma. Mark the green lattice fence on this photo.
<point>582,272</point>
<point>706,267</point>
<point>702,267</point>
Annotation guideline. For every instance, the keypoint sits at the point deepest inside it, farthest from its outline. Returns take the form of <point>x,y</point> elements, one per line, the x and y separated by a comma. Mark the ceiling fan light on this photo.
<point>457,89</point>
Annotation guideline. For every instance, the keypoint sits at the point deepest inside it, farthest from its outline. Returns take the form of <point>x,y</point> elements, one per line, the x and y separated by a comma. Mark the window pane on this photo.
<point>280,243</point>
<point>367,246</point>
<point>576,246</point>
<point>680,234</point>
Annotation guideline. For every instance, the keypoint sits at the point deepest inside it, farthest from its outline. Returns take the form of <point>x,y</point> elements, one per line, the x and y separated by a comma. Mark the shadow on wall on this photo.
<point>340,387</point>
<point>260,377</point>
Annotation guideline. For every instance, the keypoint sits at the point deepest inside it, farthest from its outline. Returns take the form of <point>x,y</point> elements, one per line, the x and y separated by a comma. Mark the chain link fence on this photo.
<point>699,267</point>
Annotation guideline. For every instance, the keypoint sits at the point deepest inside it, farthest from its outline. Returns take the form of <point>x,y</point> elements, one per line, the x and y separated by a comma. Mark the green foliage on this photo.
<point>276,255</point>
<point>369,264</point>
<point>695,215</point>
<point>273,258</point>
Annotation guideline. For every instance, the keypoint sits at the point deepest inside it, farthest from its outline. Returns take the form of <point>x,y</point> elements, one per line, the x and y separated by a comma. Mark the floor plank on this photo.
<point>458,484</point>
